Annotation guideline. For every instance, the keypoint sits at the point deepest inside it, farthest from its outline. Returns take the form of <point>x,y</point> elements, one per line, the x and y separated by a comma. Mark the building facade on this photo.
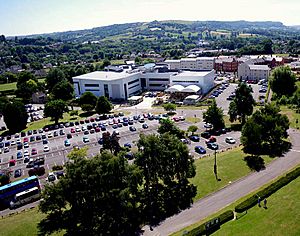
<point>198,64</point>
<point>253,72</point>
<point>125,84</point>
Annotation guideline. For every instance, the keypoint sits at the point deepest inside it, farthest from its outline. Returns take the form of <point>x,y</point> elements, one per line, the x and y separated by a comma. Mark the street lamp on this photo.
<point>215,167</point>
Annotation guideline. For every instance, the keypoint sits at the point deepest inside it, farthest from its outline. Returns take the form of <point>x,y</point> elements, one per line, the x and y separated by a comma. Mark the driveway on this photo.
<point>228,195</point>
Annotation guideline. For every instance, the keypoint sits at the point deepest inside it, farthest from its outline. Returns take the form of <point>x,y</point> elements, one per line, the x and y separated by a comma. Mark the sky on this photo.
<point>23,17</point>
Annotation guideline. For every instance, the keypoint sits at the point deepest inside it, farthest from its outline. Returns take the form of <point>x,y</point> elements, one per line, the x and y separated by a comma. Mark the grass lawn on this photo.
<point>13,86</point>
<point>228,164</point>
<point>193,119</point>
<point>47,121</point>
<point>9,86</point>
<point>292,115</point>
<point>281,217</point>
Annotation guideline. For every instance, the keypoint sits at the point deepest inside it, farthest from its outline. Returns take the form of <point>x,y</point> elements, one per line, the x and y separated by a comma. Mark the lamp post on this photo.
<point>215,167</point>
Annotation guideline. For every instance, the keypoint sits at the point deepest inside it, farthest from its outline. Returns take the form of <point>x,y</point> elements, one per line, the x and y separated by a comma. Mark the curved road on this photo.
<point>228,195</point>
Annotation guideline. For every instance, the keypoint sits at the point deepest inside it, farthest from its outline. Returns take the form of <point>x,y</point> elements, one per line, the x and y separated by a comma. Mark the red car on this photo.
<point>81,122</point>
<point>33,151</point>
<point>97,129</point>
<point>175,118</point>
<point>92,119</point>
<point>212,139</point>
<point>25,140</point>
<point>73,130</point>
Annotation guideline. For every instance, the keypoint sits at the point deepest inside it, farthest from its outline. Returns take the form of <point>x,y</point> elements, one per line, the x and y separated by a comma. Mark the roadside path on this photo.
<point>226,196</point>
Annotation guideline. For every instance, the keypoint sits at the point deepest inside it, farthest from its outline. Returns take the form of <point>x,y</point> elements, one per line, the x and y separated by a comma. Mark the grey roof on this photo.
<point>104,75</point>
<point>259,67</point>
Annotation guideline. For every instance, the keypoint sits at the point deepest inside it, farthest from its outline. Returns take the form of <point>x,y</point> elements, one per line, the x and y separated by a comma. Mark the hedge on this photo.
<point>268,191</point>
<point>201,229</point>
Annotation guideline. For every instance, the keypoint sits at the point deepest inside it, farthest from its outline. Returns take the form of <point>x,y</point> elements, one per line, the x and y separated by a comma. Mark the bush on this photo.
<point>268,191</point>
<point>201,229</point>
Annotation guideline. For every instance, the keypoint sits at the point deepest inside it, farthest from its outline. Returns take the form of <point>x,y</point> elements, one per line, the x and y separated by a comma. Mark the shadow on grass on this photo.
<point>255,163</point>
<point>87,113</point>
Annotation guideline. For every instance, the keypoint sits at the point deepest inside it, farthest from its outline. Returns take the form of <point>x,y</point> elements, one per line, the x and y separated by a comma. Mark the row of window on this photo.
<point>134,86</point>
<point>180,81</point>
<point>133,81</point>
<point>159,79</point>
<point>91,85</point>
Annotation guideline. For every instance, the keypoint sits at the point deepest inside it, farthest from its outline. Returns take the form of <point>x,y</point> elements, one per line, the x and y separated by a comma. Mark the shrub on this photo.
<point>201,229</point>
<point>268,191</point>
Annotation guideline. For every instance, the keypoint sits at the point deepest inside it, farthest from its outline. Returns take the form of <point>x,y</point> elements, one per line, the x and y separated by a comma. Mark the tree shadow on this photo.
<point>255,163</point>
<point>277,150</point>
<point>87,113</point>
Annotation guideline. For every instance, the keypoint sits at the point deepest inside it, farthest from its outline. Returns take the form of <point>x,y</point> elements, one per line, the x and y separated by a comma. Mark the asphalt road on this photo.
<point>228,195</point>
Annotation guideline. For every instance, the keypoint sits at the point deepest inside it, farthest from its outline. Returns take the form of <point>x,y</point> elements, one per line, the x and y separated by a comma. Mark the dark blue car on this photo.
<point>200,150</point>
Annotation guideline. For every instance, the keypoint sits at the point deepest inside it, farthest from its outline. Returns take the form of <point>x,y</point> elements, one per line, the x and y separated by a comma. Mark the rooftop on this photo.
<point>259,67</point>
<point>193,73</point>
<point>105,75</point>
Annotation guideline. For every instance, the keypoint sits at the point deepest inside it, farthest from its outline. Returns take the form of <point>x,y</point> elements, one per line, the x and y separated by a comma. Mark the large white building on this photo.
<point>199,63</point>
<point>248,71</point>
<point>122,85</point>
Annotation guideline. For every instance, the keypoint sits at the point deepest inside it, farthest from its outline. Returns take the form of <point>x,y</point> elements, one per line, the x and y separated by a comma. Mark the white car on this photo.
<point>50,135</point>
<point>46,148</point>
<point>77,129</point>
<point>26,145</point>
<point>83,128</point>
<point>230,140</point>
<point>12,143</point>
<point>207,125</point>
<point>85,139</point>
<point>181,118</point>
<point>110,122</point>
<point>51,177</point>
<point>26,153</point>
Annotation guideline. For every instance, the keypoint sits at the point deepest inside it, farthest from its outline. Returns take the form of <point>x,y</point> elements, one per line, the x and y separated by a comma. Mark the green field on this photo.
<point>9,86</point>
<point>280,218</point>
<point>13,86</point>
<point>228,163</point>
<point>292,115</point>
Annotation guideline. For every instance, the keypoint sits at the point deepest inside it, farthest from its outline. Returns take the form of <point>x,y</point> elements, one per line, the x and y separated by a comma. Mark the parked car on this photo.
<point>67,143</point>
<point>195,138</point>
<point>145,126</point>
<point>19,155</point>
<point>211,139</point>
<point>132,128</point>
<point>34,151</point>
<point>85,139</point>
<point>17,173</point>
<point>200,150</point>
<point>213,146</point>
<point>205,134</point>
<point>46,148</point>
<point>230,140</point>
<point>128,145</point>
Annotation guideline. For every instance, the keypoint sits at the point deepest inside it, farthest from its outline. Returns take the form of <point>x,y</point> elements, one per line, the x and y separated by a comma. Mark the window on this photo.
<point>134,81</point>
<point>159,79</point>
<point>90,90</point>
<point>91,85</point>
<point>134,86</point>
<point>155,85</point>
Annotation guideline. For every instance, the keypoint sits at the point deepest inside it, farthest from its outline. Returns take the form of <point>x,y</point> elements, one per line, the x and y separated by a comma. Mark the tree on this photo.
<point>111,142</point>
<point>296,100</point>
<point>88,101</point>
<point>265,131</point>
<point>170,107</point>
<point>168,126</point>
<point>166,166</point>
<point>27,84</point>
<point>214,115</point>
<point>55,109</point>
<point>192,128</point>
<point>53,77</point>
<point>15,116</point>
<point>282,81</point>
<point>3,102</point>
<point>103,106</point>
<point>242,105</point>
<point>63,90</point>
<point>97,196</point>
<point>138,60</point>
<point>73,113</point>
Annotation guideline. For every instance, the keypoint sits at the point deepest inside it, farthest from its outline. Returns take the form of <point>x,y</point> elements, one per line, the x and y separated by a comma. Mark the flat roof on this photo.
<point>193,73</point>
<point>105,75</point>
<point>259,67</point>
